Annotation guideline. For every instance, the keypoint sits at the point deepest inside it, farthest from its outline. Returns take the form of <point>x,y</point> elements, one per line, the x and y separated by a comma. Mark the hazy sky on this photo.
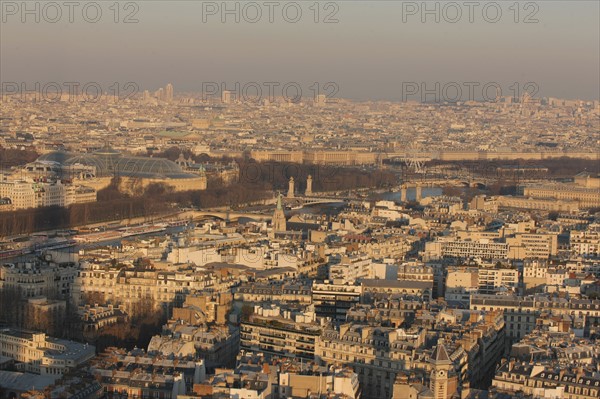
<point>373,49</point>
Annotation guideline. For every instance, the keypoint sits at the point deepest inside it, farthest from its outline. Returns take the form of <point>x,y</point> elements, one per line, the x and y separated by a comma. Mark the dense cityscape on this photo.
<point>172,243</point>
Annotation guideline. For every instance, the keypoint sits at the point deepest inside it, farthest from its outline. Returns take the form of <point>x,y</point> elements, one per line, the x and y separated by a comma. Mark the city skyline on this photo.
<point>299,199</point>
<point>368,49</point>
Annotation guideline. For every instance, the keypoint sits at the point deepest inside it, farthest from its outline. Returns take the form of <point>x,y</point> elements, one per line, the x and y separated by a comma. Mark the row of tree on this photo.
<point>256,181</point>
<point>17,311</point>
<point>10,157</point>
<point>145,321</point>
<point>276,175</point>
<point>64,321</point>
<point>563,167</point>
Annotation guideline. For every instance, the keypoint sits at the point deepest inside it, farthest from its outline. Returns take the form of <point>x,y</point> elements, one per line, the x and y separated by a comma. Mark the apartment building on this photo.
<point>396,310</point>
<point>334,300</point>
<point>375,353</point>
<point>238,383</point>
<point>349,269</point>
<point>528,245</point>
<point>466,249</point>
<point>341,381</point>
<point>95,318</point>
<point>277,331</point>
<point>520,313</point>
<point>534,272</point>
<point>136,374</point>
<point>550,205</point>
<point>273,292</point>
<point>392,246</point>
<point>588,197</point>
<point>379,354</point>
<point>415,271</point>
<point>37,353</point>
<point>39,278</point>
<point>552,361</point>
<point>131,286</point>
<point>541,382</point>
<point>491,279</point>
<point>586,243</point>
<point>204,307</point>
<point>461,282</point>
<point>378,288</point>
<point>216,345</point>
<point>33,194</point>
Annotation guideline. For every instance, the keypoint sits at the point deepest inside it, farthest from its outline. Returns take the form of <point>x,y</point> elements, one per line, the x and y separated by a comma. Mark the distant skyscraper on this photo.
<point>321,99</point>
<point>160,94</point>
<point>169,93</point>
<point>146,96</point>
<point>226,97</point>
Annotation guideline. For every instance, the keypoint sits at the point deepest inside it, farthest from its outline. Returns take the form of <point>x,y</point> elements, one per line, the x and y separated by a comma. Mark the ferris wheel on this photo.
<point>412,159</point>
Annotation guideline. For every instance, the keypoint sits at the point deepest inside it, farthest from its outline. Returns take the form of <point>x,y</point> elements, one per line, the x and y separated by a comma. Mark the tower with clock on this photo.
<point>440,373</point>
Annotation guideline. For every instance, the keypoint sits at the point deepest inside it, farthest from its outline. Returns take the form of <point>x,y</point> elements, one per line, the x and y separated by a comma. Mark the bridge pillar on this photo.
<point>308,185</point>
<point>418,195</point>
<point>403,193</point>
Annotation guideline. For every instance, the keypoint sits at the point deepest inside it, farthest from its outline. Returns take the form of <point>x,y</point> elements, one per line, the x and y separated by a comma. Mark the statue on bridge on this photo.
<point>290,193</point>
